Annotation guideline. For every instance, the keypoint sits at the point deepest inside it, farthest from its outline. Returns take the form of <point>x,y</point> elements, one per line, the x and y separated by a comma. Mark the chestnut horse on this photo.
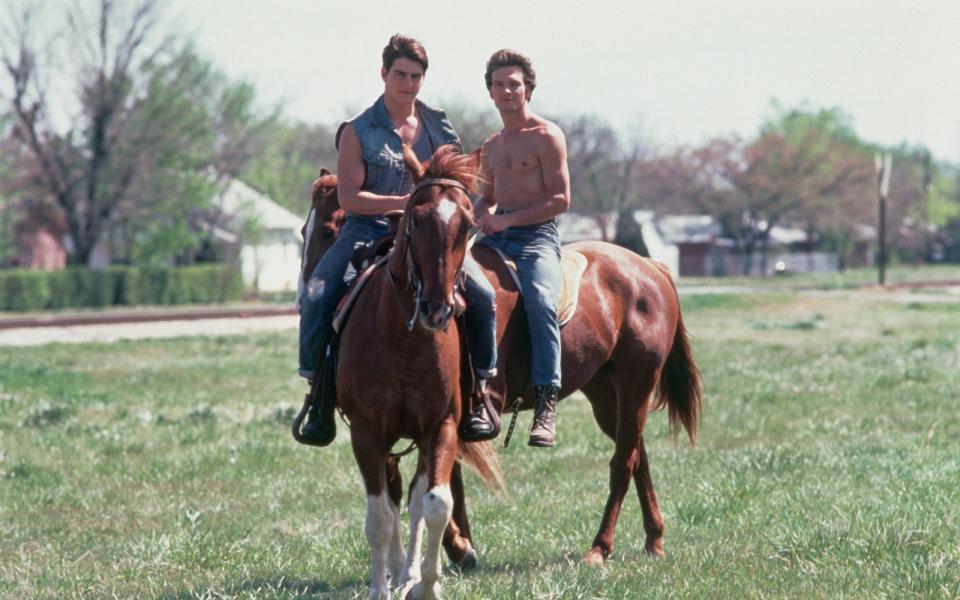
<point>626,348</point>
<point>322,226</point>
<point>399,376</point>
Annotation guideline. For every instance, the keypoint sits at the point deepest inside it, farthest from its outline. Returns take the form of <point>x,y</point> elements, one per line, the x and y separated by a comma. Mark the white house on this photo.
<point>270,260</point>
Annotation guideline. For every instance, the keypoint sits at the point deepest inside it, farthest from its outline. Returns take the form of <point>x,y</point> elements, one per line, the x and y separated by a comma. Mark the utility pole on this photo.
<point>883,165</point>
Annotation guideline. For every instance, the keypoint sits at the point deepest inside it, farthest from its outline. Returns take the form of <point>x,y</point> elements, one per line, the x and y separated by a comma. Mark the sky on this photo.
<point>676,72</point>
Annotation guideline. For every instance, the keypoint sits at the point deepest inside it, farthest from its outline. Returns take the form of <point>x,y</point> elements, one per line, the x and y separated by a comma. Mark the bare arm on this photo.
<point>488,201</point>
<point>350,175</point>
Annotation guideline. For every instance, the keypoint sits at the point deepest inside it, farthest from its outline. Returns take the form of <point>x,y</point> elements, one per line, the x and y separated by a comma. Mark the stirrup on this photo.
<point>319,430</point>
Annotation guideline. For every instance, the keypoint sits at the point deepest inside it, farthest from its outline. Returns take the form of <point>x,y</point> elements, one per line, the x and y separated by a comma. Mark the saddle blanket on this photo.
<point>572,264</point>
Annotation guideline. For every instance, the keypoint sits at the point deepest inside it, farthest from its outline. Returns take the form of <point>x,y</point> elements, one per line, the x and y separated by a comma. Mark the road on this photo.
<point>110,326</point>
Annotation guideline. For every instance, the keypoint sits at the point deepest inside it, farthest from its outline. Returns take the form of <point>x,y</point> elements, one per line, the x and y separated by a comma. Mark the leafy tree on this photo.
<point>804,168</point>
<point>473,125</point>
<point>291,159</point>
<point>152,122</point>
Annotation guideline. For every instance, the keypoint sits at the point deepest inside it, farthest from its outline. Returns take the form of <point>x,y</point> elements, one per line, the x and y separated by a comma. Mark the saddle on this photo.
<point>572,264</point>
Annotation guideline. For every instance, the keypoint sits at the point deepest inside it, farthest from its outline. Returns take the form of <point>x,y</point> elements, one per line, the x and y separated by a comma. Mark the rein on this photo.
<point>413,275</point>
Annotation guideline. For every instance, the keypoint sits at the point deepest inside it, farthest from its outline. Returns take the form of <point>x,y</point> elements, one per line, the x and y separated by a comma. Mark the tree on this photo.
<point>154,130</point>
<point>804,168</point>
<point>291,159</point>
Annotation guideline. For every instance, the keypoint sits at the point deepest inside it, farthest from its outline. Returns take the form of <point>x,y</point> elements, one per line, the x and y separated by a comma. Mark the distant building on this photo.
<point>270,259</point>
<point>704,250</point>
<point>695,245</point>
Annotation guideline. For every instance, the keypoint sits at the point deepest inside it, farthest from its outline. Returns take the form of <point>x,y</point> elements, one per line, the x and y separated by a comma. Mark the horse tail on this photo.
<point>482,458</point>
<point>680,386</point>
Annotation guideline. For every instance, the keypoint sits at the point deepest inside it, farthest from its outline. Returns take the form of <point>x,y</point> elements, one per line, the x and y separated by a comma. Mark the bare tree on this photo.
<point>151,119</point>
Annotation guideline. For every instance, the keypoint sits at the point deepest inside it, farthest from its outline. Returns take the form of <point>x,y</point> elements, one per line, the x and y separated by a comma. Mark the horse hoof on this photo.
<point>594,558</point>
<point>469,560</point>
<point>422,591</point>
<point>654,549</point>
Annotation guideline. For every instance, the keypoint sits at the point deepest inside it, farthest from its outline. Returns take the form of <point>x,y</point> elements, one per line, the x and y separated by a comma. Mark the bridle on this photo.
<point>413,274</point>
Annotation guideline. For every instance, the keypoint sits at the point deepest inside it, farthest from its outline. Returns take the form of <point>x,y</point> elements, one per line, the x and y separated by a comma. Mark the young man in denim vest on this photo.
<point>371,180</point>
<point>526,185</point>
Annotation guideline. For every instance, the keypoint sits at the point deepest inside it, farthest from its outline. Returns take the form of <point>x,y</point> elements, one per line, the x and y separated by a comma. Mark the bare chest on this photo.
<point>408,131</point>
<point>514,156</point>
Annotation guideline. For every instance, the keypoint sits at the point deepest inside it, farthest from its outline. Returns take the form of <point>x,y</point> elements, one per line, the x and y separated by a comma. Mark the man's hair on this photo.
<point>512,58</point>
<point>401,46</point>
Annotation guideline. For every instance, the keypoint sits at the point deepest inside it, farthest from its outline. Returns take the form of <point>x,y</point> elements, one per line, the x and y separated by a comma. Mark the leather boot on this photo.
<point>321,426</point>
<point>478,426</point>
<point>543,432</point>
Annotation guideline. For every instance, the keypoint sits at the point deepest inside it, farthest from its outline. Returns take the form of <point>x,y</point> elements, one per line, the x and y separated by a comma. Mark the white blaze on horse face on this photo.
<point>307,236</point>
<point>446,209</point>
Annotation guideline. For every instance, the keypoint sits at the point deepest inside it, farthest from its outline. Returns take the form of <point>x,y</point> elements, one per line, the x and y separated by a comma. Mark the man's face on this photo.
<point>403,81</point>
<point>508,90</point>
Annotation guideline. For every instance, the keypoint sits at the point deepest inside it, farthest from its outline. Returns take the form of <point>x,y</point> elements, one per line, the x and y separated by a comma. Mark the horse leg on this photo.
<point>631,411</point>
<point>418,487</point>
<point>457,541</point>
<point>395,555</point>
<point>652,521</point>
<point>437,508</point>
<point>379,523</point>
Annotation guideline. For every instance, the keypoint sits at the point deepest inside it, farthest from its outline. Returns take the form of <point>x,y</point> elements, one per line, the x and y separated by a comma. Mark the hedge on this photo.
<point>26,290</point>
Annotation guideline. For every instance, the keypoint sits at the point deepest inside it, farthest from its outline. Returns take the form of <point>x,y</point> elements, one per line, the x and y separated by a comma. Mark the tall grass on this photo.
<point>828,466</point>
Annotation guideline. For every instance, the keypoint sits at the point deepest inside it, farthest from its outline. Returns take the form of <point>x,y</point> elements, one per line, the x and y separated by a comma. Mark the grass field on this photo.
<point>897,275</point>
<point>828,466</point>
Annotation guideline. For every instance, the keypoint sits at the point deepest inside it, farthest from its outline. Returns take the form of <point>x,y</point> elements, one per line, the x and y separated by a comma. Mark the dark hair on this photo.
<point>511,58</point>
<point>401,46</point>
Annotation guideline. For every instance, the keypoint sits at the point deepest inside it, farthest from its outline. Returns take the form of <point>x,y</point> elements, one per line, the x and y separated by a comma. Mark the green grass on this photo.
<point>828,466</point>
<point>899,275</point>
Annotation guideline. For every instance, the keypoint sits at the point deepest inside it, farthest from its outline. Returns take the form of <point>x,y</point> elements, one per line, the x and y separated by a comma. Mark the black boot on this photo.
<point>479,425</point>
<point>321,426</point>
<point>543,432</point>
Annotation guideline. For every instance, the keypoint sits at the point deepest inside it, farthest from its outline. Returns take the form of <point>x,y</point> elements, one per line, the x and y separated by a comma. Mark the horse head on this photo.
<point>433,233</point>
<point>323,222</point>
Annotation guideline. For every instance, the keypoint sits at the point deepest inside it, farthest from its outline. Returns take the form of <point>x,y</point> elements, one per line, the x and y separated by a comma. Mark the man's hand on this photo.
<point>491,224</point>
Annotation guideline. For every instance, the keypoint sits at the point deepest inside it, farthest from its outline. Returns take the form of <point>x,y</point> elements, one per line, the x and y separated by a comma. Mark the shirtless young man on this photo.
<point>526,185</point>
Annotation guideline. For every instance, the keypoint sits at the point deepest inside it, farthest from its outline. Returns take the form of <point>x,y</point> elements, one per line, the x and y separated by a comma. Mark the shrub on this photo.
<point>24,290</point>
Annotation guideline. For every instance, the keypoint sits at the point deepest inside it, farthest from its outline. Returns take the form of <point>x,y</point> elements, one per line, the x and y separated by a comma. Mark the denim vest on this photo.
<point>382,148</point>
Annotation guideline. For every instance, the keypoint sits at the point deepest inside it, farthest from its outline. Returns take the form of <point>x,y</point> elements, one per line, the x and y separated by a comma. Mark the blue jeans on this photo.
<point>536,250</point>
<point>481,319</point>
<point>326,287</point>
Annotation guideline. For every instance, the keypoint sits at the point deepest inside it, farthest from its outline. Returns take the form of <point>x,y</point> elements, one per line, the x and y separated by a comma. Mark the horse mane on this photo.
<point>446,163</point>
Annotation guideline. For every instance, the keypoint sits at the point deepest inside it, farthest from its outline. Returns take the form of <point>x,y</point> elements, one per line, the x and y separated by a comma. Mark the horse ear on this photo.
<point>324,171</point>
<point>413,163</point>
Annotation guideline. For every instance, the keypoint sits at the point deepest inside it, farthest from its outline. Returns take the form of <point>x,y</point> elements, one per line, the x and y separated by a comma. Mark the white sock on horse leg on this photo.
<point>415,505</point>
<point>437,509</point>
<point>396,557</point>
<point>379,528</point>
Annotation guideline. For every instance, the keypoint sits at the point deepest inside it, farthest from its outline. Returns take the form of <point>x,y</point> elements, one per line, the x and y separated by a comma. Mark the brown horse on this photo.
<point>322,225</point>
<point>626,342</point>
<point>399,376</point>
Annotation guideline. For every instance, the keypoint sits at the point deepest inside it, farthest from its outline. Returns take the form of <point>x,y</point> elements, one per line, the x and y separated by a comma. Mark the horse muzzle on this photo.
<point>435,316</point>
